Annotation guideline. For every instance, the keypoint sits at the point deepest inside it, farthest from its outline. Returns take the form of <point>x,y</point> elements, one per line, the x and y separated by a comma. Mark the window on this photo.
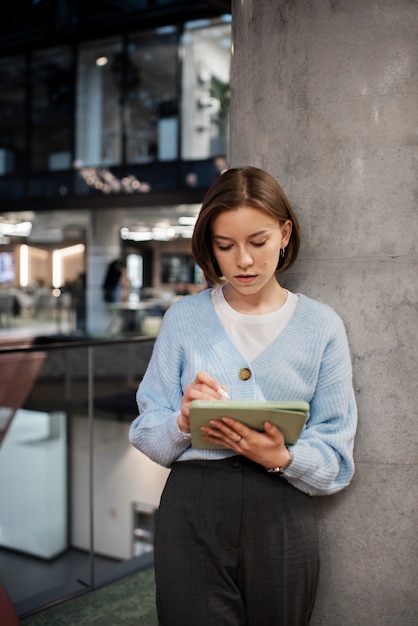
<point>52,105</point>
<point>178,268</point>
<point>12,122</point>
<point>151,101</point>
<point>206,52</point>
<point>99,93</point>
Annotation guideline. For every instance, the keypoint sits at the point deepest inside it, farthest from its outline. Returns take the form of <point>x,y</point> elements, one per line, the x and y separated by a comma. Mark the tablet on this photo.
<point>289,417</point>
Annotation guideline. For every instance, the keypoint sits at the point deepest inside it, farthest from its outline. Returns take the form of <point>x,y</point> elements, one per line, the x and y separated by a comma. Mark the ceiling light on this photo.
<point>138,235</point>
<point>187,220</point>
<point>22,229</point>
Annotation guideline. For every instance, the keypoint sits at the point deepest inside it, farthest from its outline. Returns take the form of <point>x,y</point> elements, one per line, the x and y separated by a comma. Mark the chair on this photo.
<point>8,615</point>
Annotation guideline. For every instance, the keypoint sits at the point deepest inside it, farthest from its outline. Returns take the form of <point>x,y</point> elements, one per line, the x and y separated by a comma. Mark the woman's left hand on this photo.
<point>266,448</point>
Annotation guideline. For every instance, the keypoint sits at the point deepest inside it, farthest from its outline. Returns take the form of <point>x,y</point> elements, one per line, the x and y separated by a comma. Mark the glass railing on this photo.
<point>157,176</point>
<point>77,501</point>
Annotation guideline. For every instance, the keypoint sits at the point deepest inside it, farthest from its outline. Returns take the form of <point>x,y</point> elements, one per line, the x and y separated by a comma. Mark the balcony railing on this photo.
<point>139,183</point>
<point>77,502</point>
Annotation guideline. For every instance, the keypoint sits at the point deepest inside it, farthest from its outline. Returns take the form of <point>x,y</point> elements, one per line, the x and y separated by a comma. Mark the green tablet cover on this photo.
<point>289,417</point>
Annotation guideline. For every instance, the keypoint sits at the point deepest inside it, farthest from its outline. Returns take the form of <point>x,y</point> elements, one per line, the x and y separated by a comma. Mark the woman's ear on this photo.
<point>286,232</point>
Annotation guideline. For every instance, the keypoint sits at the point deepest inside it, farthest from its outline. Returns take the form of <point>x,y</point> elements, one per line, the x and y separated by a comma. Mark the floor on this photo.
<point>24,575</point>
<point>128,601</point>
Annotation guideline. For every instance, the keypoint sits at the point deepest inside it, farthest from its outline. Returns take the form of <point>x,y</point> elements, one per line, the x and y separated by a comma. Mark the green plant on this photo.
<point>220,90</point>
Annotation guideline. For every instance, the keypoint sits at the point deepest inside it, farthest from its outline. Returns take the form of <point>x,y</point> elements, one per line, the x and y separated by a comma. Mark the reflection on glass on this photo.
<point>12,99</point>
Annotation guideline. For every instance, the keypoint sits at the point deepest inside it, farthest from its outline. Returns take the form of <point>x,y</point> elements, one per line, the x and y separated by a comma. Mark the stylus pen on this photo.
<point>223,393</point>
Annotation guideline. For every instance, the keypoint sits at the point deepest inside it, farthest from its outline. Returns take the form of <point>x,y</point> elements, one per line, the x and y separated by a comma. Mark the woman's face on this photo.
<point>246,244</point>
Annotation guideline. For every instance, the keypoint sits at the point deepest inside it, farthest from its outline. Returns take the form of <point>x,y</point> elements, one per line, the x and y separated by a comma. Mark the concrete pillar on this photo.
<point>324,97</point>
<point>103,247</point>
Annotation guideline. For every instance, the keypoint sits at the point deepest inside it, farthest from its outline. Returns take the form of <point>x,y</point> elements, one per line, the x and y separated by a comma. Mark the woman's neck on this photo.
<point>267,300</point>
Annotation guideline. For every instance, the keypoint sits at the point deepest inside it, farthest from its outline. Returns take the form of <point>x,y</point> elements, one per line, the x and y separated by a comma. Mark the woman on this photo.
<point>236,538</point>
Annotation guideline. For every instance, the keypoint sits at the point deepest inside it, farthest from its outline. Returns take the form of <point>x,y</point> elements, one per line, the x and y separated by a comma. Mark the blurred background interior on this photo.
<point>113,124</point>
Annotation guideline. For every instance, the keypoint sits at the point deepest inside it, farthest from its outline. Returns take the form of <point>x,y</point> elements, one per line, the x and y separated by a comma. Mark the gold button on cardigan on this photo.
<point>244,373</point>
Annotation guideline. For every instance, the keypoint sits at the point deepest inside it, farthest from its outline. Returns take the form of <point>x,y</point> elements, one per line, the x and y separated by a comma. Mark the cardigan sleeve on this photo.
<point>323,456</point>
<point>155,431</point>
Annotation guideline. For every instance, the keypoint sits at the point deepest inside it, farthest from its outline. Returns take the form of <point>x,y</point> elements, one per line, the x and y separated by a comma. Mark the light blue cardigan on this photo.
<point>309,360</point>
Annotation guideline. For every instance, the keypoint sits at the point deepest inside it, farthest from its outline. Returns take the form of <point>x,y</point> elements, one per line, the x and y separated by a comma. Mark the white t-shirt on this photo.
<point>251,334</point>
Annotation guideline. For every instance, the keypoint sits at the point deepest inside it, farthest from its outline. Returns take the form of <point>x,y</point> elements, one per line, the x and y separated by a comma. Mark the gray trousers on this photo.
<point>234,546</point>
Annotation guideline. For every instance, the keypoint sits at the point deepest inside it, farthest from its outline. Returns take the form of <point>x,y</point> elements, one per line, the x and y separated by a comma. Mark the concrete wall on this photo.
<point>324,97</point>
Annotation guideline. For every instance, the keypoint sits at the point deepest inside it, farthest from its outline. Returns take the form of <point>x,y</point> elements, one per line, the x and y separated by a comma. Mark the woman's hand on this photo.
<point>204,387</point>
<point>266,448</point>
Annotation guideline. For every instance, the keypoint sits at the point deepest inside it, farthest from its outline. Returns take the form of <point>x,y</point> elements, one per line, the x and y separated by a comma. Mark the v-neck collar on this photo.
<point>213,332</point>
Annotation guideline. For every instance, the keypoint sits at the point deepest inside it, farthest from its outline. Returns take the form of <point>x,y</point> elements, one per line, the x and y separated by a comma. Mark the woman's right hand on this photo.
<point>204,387</point>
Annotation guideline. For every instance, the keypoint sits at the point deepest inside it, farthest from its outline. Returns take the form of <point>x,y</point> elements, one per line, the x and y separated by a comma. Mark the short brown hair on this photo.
<point>235,188</point>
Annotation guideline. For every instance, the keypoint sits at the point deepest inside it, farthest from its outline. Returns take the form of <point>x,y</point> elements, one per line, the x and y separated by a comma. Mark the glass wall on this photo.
<point>205,83</point>
<point>52,107</point>
<point>151,97</point>
<point>145,100</point>
<point>129,93</point>
<point>127,100</point>
<point>12,115</point>
<point>77,501</point>
<point>100,85</point>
